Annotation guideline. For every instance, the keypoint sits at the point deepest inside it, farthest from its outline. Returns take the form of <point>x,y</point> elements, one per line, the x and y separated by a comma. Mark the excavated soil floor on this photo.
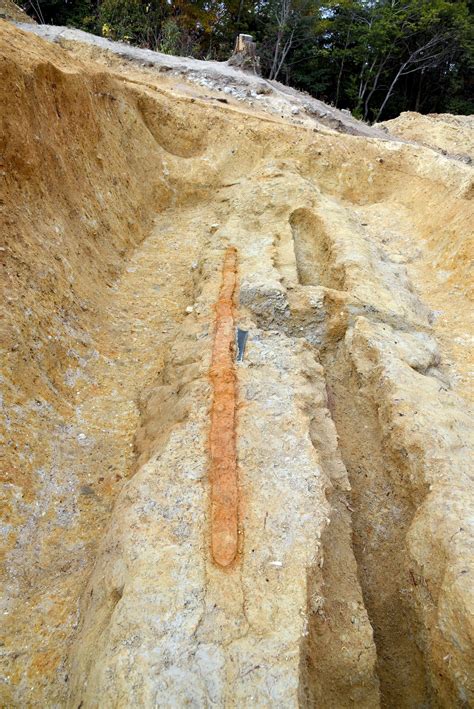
<point>347,426</point>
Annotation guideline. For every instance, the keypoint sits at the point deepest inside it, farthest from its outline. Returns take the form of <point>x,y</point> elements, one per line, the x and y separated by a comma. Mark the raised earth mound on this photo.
<point>450,134</point>
<point>181,529</point>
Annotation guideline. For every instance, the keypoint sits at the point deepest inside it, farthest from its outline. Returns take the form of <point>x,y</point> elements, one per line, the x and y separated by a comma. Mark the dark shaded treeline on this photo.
<point>375,57</point>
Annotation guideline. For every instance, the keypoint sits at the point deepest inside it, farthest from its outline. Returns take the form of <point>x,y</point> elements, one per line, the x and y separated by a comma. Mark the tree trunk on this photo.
<point>239,15</point>
<point>375,84</point>
<point>363,85</point>
<point>284,54</point>
<point>390,90</point>
<point>418,94</point>
<point>339,78</point>
<point>276,54</point>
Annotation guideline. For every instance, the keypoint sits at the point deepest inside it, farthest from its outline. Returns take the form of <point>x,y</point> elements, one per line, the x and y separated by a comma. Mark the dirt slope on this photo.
<point>10,11</point>
<point>451,134</point>
<point>123,190</point>
<point>271,96</point>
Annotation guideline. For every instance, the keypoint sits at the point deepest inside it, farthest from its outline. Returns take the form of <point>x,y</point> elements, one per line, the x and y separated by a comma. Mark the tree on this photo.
<point>375,57</point>
<point>429,35</point>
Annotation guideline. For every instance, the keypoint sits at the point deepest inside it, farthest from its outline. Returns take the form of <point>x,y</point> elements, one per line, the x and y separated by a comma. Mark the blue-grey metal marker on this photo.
<point>242,336</point>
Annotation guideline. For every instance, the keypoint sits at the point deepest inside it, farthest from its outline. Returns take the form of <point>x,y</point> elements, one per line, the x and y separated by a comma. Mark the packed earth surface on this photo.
<point>294,529</point>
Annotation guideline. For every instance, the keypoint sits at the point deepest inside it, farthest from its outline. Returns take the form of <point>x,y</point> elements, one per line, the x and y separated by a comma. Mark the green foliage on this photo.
<point>132,21</point>
<point>75,13</point>
<point>170,37</point>
<point>375,57</point>
<point>386,56</point>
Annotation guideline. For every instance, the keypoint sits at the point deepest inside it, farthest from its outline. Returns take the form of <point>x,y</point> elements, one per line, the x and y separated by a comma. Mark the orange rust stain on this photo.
<point>223,468</point>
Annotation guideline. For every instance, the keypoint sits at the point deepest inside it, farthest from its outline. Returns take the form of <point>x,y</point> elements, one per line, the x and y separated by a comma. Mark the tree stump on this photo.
<point>245,54</point>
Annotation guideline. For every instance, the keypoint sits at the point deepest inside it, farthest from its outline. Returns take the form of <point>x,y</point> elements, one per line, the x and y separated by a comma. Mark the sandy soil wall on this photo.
<point>122,191</point>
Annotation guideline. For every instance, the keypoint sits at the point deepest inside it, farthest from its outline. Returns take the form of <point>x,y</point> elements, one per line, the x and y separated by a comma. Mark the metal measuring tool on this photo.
<point>242,336</point>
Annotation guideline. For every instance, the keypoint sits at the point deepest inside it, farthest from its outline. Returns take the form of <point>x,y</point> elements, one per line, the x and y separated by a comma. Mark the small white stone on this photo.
<point>189,309</point>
